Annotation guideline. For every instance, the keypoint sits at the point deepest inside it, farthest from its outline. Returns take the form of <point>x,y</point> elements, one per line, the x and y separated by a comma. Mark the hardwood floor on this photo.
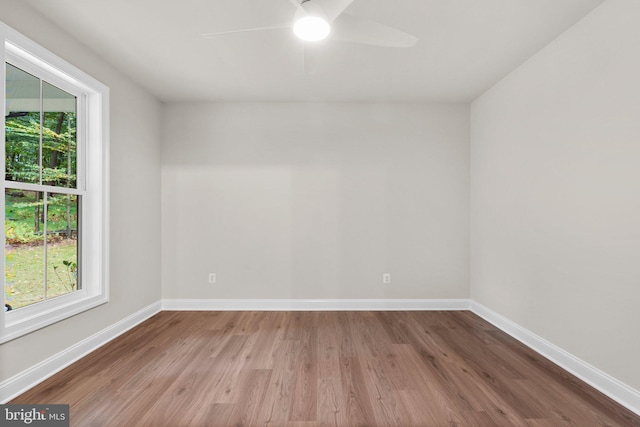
<point>304,369</point>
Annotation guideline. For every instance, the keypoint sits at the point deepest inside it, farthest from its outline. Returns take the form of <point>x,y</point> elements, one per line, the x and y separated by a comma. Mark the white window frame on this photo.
<point>92,183</point>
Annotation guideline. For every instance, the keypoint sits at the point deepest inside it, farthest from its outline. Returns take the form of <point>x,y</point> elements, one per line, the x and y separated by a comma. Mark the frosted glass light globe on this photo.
<point>311,28</point>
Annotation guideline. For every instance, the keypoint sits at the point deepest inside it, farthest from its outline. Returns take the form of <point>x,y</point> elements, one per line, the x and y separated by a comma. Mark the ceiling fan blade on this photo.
<point>351,28</point>
<point>245,30</point>
<point>311,58</point>
<point>332,8</point>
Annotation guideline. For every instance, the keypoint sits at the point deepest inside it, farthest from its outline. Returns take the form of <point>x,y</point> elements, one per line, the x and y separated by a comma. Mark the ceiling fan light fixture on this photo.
<point>311,28</point>
<point>310,23</point>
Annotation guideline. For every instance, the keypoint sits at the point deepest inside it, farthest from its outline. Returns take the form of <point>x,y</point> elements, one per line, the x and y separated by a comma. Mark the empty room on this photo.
<point>320,213</point>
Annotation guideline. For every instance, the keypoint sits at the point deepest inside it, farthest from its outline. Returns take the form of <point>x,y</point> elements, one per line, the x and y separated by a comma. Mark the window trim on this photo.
<point>92,180</point>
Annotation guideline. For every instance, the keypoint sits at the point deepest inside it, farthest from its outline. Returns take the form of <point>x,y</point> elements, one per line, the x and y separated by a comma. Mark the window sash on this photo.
<point>26,186</point>
<point>82,107</point>
<point>43,77</point>
<point>19,58</point>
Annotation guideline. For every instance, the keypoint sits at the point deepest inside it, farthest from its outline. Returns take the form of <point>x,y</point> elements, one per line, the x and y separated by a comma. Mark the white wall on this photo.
<point>135,199</point>
<point>315,200</point>
<point>555,194</point>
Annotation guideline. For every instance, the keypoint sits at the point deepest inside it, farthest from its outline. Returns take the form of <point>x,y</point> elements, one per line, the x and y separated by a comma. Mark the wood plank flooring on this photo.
<point>304,369</point>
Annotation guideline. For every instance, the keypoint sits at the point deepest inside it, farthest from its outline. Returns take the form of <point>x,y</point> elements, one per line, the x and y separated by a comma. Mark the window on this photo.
<point>55,145</point>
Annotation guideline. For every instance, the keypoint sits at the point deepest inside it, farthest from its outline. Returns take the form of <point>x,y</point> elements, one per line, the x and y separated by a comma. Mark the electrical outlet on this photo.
<point>386,278</point>
<point>212,277</point>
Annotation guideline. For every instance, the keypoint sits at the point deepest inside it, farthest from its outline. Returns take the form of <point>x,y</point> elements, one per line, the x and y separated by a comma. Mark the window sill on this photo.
<point>39,315</point>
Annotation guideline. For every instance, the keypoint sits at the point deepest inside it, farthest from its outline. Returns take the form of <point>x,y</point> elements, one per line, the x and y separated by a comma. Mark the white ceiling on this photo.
<point>464,47</point>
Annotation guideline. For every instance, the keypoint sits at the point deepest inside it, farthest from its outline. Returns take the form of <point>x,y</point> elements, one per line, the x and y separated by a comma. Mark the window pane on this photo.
<point>62,244</point>
<point>24,247</point>
<point>58,137</point>
<point>22,126</point>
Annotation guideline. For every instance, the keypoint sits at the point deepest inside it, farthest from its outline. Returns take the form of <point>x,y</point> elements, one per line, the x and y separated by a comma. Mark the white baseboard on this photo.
<point>27,379</point>
<point>314,304</point>
<point>606,384</point>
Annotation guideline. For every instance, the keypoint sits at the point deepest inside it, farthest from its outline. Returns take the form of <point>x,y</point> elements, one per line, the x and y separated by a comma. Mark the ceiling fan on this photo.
<point>316,20</point>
